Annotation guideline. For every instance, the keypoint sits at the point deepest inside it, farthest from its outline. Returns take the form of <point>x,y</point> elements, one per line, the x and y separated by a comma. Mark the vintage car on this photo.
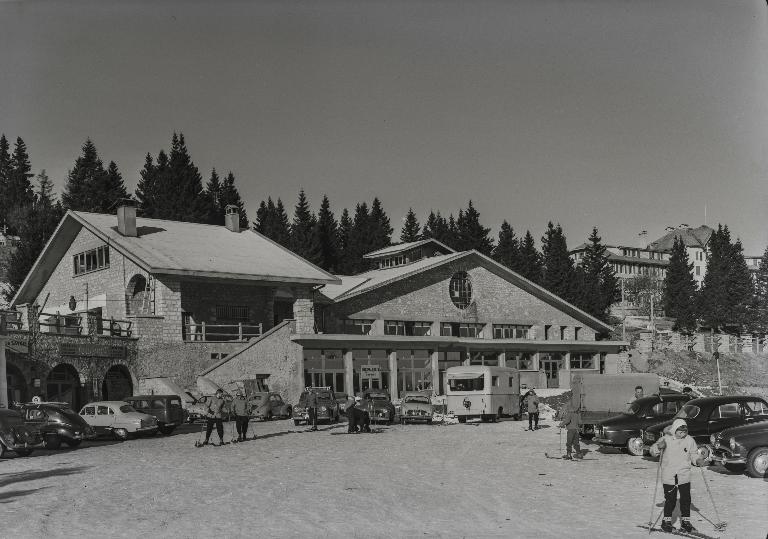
<point>57,423</point>
<point>379,405</point>
<point>327,407</point>
<point>199,409</point>
<point>744,446</point>
<point>709,415</point>
<point>623,430</point>
<point>118,419</point>
<point>167,409</point>
<point>416,406</point>
<point>15,435</point>
<point>266,406</point>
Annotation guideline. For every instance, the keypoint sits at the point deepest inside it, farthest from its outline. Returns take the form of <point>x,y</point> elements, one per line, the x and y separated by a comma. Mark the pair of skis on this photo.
<point>681,533</point>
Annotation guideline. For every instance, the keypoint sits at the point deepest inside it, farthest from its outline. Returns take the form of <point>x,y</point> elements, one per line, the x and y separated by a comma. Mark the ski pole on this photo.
<point>560,432</point>
<point>651,522</point>
<point>720,524</point>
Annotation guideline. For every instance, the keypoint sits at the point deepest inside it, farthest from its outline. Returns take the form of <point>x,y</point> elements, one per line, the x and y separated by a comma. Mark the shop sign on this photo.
<point>370,372</point>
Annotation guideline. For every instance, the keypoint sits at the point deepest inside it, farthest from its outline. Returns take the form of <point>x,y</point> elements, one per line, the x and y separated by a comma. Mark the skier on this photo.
<point>312,409</point>
<point>242,410</point>
<point>571,423</point>
<point>214,413</point>
<point>678,453</point>
<point>532,404</point>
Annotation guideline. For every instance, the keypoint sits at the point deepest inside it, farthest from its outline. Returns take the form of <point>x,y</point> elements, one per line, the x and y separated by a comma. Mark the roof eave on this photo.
<point>243,276</point>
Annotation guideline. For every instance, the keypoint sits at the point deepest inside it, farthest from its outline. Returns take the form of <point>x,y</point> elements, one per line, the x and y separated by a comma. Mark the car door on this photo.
<point>104,418</point>
<point>754,410</point>
<point>723,416</point>
<point>36,418</point>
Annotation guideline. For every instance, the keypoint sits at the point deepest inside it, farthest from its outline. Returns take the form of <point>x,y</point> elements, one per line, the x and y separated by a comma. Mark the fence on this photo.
<point>204,332</point>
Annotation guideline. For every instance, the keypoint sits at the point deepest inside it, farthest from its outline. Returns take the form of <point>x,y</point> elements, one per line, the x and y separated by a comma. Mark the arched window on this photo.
<point>461,290</point>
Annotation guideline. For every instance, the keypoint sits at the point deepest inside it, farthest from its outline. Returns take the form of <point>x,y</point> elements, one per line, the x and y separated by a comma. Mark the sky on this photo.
<point>628,116</point>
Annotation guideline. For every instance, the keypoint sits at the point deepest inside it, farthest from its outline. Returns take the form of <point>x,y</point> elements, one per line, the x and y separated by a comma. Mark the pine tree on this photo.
<point>113,189</point>
<point>147,190</point>
<point>213,194</point>
<point>182,190</point>
<point>18,193</point>
<point>327,237</point>
<point>597,284</point>
<point>507,250</point>
<point>530,263</point>
<point>679,296</point>
<point>343,233</point>
<point>380,231</point>
<point>411,229</point>
<point>452,238</point>
<point>471,234</point>
<point>281,228</point>
<point>90,187</point>
<point>231,196</point>
<point>759,310</point>
<point>558,274</point>
<point>5,175</point>
<point>304,241</point>
<point>359,242</point>
<point>436,227</point>
<point>44,193</point>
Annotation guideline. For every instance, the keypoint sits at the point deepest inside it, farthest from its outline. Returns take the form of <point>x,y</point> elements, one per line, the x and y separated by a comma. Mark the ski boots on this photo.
<point>686,526</point>
<point>666,526</point>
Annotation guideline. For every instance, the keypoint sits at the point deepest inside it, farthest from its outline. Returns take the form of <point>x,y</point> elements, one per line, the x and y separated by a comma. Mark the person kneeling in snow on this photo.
<point>571,423</point>
<point>678,453</point>
<point>358,417</point>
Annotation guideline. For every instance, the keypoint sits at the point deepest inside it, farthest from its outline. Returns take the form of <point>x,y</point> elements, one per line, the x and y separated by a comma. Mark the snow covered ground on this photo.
<point>455,480</point>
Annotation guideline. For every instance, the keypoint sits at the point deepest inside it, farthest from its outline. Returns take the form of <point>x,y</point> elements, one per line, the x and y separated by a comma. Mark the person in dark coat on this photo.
<point>242,411</point>
<point>312,409</point>
<point>213,417</point>
<point>358,417</point>
<point>571,423</point>
<point>532,407</point>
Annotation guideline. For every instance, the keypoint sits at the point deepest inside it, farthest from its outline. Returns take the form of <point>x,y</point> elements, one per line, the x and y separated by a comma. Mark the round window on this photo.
<point>461,289</point>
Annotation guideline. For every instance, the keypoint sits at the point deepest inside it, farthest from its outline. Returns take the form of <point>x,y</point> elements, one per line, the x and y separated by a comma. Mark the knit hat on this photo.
<point>676,424</point>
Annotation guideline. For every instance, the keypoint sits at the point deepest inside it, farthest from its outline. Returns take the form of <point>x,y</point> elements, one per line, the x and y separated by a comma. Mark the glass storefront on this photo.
<point>525,359</point>
<point>444,361</point>
<point>324,368</point>
<point>484,358</point>
<point>414,370</point>
<point>551,363</point>
<point>371,369</point>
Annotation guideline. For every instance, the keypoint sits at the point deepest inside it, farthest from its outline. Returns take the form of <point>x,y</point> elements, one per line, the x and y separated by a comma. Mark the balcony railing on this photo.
<point>72,324</point>
<point>203,332</point>
<point>11,320</point>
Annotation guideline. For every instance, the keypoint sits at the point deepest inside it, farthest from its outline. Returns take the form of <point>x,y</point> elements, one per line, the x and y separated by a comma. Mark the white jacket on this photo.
<point>679,455</point>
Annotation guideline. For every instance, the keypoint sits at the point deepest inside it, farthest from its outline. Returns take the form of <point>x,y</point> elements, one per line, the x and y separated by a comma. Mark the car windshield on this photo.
<point>417,398</point>
<point>689,411</point>
<point>127,408</point>
<point>65,414</point>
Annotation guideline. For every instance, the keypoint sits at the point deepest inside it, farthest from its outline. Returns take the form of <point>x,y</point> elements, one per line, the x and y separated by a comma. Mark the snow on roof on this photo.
<point>692,237</point>
<point>177,247</point>
<point>400,247</point>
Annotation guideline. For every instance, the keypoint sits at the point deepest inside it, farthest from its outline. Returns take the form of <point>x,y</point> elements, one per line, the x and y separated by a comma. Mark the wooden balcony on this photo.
<point>204,332</point>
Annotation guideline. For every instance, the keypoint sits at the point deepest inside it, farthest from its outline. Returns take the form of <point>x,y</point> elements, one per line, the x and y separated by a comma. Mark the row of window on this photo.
<point>92,260</point>
<point>447,329</point>
<point>634,269</point>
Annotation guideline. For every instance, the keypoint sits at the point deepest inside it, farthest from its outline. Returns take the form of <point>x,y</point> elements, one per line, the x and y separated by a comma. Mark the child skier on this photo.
<point>678,453</point>
<point>571,422</point>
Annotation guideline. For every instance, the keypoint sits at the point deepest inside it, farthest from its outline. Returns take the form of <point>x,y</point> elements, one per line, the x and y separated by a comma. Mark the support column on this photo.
<point>3,375</point>
<point>349,372</point>
<point>392,374</point>
<point>565,382</point>
<point>434,359</point>
<point>503,359</point>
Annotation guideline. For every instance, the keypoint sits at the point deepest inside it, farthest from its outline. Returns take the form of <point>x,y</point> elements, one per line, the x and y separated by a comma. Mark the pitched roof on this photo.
<point>400,247</point>
<point>371,280</point>
<point>178,248</point>
<point>692,237</point>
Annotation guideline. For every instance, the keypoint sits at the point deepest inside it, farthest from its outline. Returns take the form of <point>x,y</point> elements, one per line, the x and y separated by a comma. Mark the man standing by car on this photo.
<point>242,411</point>
<point>638,395</point>
<point>214,412</point>
<point>312,409</point>
<point>532,406</point>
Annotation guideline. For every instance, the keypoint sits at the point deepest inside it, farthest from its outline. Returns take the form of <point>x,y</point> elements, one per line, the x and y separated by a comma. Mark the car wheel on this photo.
<point>635,447</point>
<point>288,412</point>
<point>23,452</point>
<point>52,442</point>
<point>166,430</point>
<point>2,450</point>
<point>499,415</point>
<point>73,443</point>
<point>462,419</point>
<point>120,434</point>
<point>757,462</point>
<point>296,422</point>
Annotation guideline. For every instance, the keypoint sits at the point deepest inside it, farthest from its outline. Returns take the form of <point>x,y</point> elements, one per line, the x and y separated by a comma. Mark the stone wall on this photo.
<point>274,354</point>
<point>425,297</point>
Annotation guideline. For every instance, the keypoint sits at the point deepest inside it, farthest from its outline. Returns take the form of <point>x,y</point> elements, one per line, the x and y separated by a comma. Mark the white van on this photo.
<point>482,391</point>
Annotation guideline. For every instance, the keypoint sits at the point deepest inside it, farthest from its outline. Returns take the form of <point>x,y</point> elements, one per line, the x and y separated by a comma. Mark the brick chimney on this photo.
<point>126,218</point>
<point>232,218</point>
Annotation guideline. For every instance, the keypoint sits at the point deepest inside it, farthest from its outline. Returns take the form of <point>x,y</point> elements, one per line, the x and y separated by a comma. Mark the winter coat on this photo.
<point>532,402</point>
<point>571,419</point>
<point>240,407</point>
<point>215,407</point>
<point>312,400</point>
<point>679,455</point>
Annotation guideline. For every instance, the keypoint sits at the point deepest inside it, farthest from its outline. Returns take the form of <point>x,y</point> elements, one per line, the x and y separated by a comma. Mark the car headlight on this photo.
<point>732,444</point>
<point>323,408</point>
<point>713,440</point>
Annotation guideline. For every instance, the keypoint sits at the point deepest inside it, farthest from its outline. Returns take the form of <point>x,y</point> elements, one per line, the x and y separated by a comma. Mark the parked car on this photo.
<point>416,406</point>
<point>380,405</point>
<point>15,435</point>
<point>199,409</point>
<point>269,405</point>
<point>167,409</point>
<point>623,430</point>
<point>327,407</point>
<point>118,418</point>
<point>57,423</point>
<point>743,447</point>
<point>709,415</point>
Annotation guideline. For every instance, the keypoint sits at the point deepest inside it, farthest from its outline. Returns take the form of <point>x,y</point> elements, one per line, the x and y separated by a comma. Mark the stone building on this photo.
<point>113,300</point>
<point>423,309</point>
